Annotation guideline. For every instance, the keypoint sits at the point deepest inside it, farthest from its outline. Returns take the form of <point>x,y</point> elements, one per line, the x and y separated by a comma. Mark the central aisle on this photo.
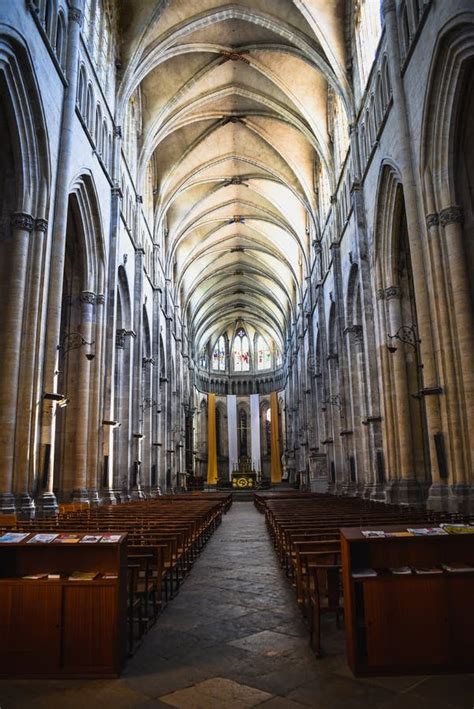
<point>234,636</point>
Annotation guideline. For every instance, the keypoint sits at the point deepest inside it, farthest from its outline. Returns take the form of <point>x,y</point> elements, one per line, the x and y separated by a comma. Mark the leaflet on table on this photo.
<point>401,570</point>
<point>91,538</point>
<point>83,575</point>
<point>363,573</point>
<point>426,531</point>
<point>13,537</point>
<point>110,538</point>
<point>457,566</point>
<point>458,528</point>
<point>375,533</point>
<point>42,538</point>
<point>68,538</point>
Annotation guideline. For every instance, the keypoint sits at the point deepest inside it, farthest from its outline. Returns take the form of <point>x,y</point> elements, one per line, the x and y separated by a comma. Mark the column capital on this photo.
<point>100,299</point>
<point>21,220</point>
<point>87,297</point>
<point>392,292</point>
<point>356,332</point>
<point>380,294</point>
<point>41,225</point>
<point>432,220</point>
<point>451,215</point>
<point>388,6</point>
<point>75,15</point>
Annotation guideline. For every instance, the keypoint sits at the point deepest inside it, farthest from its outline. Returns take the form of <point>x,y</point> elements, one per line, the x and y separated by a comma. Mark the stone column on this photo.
<point>137,391</point>
<point>406,487</point>
<point>27,393</point>
<point>451,219</point>
<point>439,493</point>
<point>111,486</point>
<point>46,502</point>
<point>80,473</point>
<point>96,398</point>
<point>21,225</point>
<point>412,198</point>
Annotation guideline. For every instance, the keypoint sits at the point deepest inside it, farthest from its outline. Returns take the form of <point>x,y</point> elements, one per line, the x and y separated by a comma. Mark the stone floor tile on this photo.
<point>268,643</point>
<point>281,703</point>
<point>217,692</point>
<point>340,693</point>
<point>454,690</point>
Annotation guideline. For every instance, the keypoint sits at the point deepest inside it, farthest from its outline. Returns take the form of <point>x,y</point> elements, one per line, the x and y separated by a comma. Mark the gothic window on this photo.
<point>241,351</point>
<point>268,430</point>
<point>218,355</point>
<point>264,356</point>
<point>278,358</point>
<point>203,358</point>
<point>60,44</point>
<point>242,433</point>
<point>367,34</point>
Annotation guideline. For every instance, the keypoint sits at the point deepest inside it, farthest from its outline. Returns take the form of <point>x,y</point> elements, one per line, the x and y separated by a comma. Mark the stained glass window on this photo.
<point>264,356</point>
<point>218,356</point>
<point>241,351</point>
<point>203,358</point>
<point>278,359</point>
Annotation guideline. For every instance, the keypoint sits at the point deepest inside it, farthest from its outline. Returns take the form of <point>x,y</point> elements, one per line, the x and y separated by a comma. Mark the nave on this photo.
<point>234,638</point>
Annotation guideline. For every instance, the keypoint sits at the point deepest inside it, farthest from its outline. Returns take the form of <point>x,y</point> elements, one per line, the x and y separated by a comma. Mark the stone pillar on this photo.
<point>111,486</point>
<point>26,411</point>
<point>462,317</point>
<point>96,398</point>
<point>46,502</point>
<point>412,198</point>
<point>406,488</point>
<point>439,496</point>
<point>387,389</point>
<point>80,473</point>
<point>137,391</point>
<point>21,225</point>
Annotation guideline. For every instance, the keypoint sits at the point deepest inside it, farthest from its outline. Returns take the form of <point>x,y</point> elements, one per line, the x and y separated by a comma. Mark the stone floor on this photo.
<point>234,638</point>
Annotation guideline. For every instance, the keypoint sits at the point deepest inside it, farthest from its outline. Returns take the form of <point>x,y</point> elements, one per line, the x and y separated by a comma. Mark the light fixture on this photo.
<point>112,424</point>
<point>73,341</point>
<point>60,399</point>
<point>407,335</point>
<point>53,396</point>
<point>139,435</point>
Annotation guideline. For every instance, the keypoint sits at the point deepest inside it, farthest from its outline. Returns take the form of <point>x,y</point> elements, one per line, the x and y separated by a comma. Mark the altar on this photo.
<point>244,476</point>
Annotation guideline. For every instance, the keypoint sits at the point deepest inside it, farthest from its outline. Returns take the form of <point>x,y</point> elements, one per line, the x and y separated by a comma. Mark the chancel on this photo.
<point>237,286</point>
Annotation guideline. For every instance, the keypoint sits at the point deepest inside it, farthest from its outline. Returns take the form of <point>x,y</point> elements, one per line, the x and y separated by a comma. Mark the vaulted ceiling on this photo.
<point>234,103</point>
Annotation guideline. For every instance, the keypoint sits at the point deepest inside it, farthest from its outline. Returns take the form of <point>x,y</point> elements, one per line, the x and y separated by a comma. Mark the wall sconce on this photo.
<point>147,404</point>
<point>407,335</point>
<point>140,436</point>
<point>112,424</point>
<point>60,399</point>
<point>73,341</point>
<point>334,401</point>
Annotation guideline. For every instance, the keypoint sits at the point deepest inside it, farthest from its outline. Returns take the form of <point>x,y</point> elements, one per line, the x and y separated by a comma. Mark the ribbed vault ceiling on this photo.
<point>234,100</point>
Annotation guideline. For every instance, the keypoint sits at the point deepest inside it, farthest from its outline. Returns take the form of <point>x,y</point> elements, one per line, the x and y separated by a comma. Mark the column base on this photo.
<point>80,496</point>
<point>108,497</point>
<point>25,506</point>
<point>7,503</point>
<point>319,485</point>
<point>47,505</point>
<point>94,499</point>
<point>441,499</point>
<point>138,494</point>
<point>349,489</point>
<point>407,492</point>
<point>376,492</point>
<point>464,498</point>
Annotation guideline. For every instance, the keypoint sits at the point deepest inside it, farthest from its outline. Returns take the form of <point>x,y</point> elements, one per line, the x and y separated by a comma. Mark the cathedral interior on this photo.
<point>236,255</point>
